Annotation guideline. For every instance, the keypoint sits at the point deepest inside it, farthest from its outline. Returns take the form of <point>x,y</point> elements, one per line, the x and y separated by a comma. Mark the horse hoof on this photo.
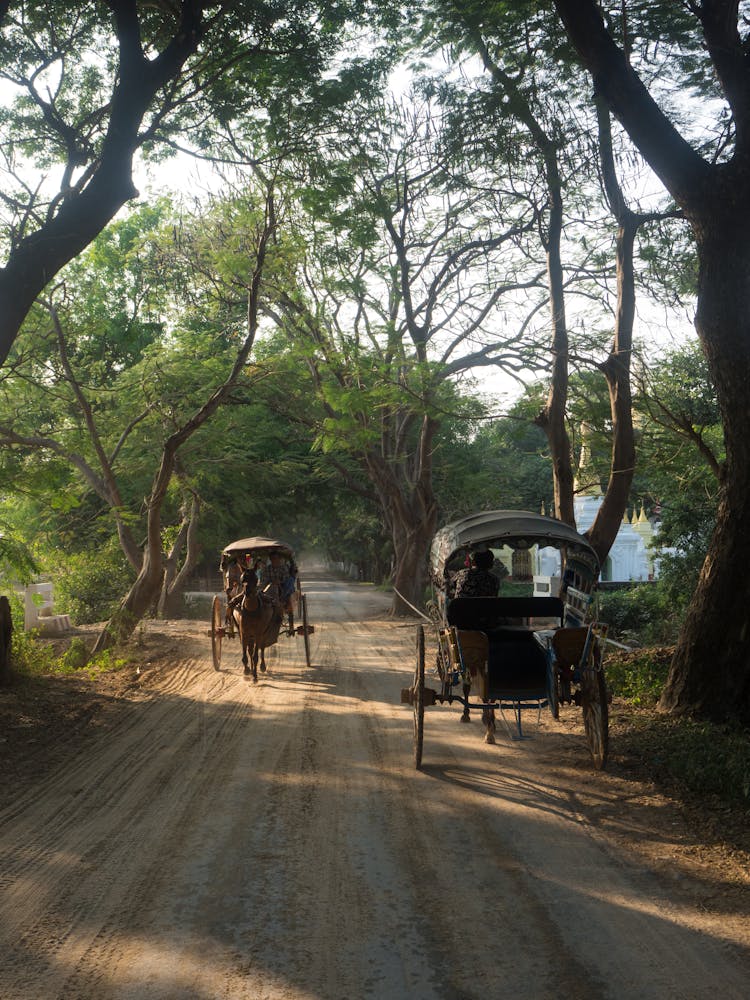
<point>465,718</point>
<point>262,668</point>
<point>247,671</point>
<point>255,678</point>
<point>489,738</point>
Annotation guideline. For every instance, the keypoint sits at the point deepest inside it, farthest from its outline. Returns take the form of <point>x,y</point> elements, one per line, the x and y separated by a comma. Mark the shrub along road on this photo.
<point>210,837</point>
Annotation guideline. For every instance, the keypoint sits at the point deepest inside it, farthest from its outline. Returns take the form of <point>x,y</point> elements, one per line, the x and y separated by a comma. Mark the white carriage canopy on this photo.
<point>494,529</point>
<point>258,545</point>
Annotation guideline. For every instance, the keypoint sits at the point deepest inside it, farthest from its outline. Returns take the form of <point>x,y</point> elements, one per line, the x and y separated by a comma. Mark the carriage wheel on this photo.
<point>303,601</point>
<point>217,630</point>
<point>419,699</point>
<point>595,714</point>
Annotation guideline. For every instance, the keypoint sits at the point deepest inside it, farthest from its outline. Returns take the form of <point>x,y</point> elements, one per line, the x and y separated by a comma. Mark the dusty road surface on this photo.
<point>225,839</point>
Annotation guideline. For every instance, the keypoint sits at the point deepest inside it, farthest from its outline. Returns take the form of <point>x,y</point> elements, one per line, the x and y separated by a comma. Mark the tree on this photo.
<point>516,116</point>
<point>146,587</point>
<point>399,282</point>
<point>111,414</point>
<point>710,673</point>
<point>96,82</point>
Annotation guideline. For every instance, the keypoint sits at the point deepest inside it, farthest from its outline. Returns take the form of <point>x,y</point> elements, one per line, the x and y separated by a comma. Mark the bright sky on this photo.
<point>192,178</point>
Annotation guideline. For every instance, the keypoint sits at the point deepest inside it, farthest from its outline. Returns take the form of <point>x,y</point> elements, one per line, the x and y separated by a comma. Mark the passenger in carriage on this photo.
<point>231,568</point>
<point>278,579</point>
<point>477,580</point>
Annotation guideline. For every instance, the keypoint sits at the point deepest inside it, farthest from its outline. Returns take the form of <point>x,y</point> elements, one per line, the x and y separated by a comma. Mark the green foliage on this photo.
<point>36,657</point>
<point>504,464</point>
<point>75,656</point>
<point>640,676</point>
<point>90,585</point>
<point>513,588</point>
<point>16,560</point>
<point>28,654</point>
<point>678,576</point>
<point>643,614</point>
<point>105,661</point>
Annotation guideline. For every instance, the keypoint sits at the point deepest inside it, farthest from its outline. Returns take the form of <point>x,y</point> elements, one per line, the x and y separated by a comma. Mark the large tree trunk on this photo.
<point>410,574</point>
<point>176,576</point>
<point>616,369</point>
<point>409,509</point>
<point>6,636</point>
<point>710,673</point>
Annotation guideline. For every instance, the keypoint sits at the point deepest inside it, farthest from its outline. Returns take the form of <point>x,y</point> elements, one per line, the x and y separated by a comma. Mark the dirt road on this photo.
<point>225,839</point>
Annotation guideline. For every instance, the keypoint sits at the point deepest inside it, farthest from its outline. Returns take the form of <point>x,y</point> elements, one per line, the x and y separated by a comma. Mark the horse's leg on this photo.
<point>488,718</point>
<point>465,717</point>
<point>243,642</point>
<point>262,659</point>
<point>255,662</point>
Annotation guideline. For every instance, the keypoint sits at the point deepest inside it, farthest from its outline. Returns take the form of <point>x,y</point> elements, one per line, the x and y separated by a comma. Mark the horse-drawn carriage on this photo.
<point>262,594</point>
<point>518,651</point>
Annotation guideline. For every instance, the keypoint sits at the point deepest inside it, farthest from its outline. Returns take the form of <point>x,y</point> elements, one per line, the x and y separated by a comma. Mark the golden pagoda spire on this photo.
<point>586,482</point>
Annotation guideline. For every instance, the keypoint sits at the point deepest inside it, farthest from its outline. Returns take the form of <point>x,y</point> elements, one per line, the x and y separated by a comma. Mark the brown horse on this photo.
<point>258,624</point>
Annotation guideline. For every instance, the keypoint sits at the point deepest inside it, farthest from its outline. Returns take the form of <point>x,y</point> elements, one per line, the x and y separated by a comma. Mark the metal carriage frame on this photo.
<point>519,654</point>
<point>255,547</point>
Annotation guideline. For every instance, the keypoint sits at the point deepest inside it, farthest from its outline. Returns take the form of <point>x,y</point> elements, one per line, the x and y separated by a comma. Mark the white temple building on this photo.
<point>631,558</point>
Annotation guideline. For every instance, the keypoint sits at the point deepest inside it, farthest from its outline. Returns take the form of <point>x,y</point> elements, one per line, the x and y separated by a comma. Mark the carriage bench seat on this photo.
<point>488,613</point>
<point>516,661</point>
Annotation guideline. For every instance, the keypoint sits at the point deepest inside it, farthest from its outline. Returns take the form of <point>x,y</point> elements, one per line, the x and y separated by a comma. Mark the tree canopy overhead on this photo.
<point>88,84</point>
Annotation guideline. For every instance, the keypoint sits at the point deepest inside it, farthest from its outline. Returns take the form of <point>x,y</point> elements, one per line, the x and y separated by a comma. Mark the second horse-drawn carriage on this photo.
<point>515,652</point>
<point>262,596</point>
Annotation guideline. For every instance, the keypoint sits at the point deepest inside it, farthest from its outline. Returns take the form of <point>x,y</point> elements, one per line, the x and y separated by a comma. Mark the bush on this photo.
<point>28,654</point>
<point>641,615</point>
<point>638,676</point>
<point>90,586</point>
<point>678,576</point>
<point>75,656</point>
<point>32,656</point>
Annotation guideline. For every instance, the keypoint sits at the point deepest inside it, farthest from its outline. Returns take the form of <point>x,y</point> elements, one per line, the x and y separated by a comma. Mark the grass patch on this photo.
<point>35,657</point>
<point>704,758</point>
